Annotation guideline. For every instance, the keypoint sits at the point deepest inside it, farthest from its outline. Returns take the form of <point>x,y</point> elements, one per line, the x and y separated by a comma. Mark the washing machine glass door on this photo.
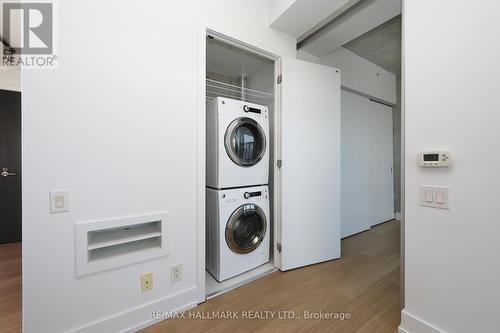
<point>245,142</point>
<point>246,228</point>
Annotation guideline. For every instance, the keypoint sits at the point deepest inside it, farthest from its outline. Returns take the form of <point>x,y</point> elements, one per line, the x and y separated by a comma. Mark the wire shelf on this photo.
<point>221,89</point>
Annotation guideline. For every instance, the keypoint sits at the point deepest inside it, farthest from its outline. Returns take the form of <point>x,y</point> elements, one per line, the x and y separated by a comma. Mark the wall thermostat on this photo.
<point>434,159</point>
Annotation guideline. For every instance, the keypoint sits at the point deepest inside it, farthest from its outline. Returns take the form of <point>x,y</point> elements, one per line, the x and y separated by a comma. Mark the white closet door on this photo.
<point>356,164</point>
<point>382,163</point>
<point>310,176</point>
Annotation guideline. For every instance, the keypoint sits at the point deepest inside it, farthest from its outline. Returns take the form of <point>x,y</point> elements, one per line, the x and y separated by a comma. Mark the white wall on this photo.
<point>10,79</point>
<point>358,74</point>
<point>116,125</point>
<point>362,76</point>
<point>451,102</point>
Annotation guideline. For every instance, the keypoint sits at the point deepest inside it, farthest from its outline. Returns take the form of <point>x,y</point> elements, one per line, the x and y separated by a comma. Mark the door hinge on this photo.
<point>278,246</point>
<point>280,78</point>
<point>279,164</point>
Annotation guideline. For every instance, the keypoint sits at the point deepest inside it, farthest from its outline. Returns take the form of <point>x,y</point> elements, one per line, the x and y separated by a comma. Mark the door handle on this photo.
<point>5,173</point>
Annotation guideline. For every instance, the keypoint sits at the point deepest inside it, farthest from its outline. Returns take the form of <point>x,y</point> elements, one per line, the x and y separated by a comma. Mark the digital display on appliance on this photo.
<point>247,108</point>
<point>431,157</point>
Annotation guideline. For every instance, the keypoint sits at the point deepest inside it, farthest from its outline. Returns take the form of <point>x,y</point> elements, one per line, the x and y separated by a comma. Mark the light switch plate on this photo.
<point>59,201</point>
<point>440,196</point>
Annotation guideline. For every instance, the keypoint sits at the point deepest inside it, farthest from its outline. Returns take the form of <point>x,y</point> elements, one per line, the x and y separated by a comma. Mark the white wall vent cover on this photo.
<point>106,244</point>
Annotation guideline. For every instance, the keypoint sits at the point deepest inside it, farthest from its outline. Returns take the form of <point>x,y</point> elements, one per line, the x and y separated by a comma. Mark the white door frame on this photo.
<point>201,144</point>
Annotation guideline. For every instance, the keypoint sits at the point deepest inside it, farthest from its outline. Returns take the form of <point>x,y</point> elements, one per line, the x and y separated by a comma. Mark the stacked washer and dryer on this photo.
<point>237,223</point>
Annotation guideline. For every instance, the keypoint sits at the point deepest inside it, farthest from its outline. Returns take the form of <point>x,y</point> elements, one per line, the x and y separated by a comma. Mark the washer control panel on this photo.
<point>434,159</point>
<point>244,194</point>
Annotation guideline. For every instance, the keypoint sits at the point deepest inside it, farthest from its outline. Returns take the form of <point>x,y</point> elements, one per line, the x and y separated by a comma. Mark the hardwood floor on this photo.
<point>10,288</point>
<point>364,283</point>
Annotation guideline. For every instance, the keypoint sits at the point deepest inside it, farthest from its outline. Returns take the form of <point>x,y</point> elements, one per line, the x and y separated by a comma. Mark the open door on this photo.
<point>10,167</point>
<point>310,174</point>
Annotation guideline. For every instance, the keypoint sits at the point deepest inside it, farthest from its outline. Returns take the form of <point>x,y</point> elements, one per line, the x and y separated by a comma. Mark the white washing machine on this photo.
<point>237,230</point>
<point>237,143</point>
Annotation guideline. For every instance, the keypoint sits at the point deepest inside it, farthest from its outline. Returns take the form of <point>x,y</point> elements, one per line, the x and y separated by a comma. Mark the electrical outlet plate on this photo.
<point>146,282</point>
<point>176,273</point>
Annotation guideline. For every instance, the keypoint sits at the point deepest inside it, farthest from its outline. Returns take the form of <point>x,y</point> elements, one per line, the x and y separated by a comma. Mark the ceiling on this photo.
<point>296,17</point>
<point>381,45</point>
<point>354,22</point>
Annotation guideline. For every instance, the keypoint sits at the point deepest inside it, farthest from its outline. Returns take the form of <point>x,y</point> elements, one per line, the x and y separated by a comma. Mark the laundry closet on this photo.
<point>239,157</point>
<point>272,163</point>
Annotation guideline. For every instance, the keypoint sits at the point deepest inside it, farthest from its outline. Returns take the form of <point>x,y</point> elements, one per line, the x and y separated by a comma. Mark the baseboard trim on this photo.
<point>138,318</point>
<point>413,324</point>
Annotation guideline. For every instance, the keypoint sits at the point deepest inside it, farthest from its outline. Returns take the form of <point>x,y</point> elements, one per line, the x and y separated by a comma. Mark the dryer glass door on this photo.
<point>246,229</point>
<point>245,142</point>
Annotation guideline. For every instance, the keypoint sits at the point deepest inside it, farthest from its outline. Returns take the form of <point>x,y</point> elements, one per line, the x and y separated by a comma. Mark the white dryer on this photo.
<point>237,144</point>
<point>237,230</point>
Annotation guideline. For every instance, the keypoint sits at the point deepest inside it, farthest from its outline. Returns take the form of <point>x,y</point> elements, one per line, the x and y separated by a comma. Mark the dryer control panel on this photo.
<point>434,159</point>
<point>255,109</point>
<point>248,195</point>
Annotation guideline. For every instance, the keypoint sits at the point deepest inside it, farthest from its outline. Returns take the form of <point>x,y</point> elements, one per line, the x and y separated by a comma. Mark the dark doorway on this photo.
<point>10,167</point>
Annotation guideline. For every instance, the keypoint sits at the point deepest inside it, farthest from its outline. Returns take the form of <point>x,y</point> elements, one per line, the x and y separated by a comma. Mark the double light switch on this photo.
<point>435,196</point>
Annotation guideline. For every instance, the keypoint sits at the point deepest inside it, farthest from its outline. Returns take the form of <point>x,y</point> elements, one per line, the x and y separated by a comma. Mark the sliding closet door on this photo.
<point>382,163</point>
<point>367,182</point>
<point>356,174</point>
